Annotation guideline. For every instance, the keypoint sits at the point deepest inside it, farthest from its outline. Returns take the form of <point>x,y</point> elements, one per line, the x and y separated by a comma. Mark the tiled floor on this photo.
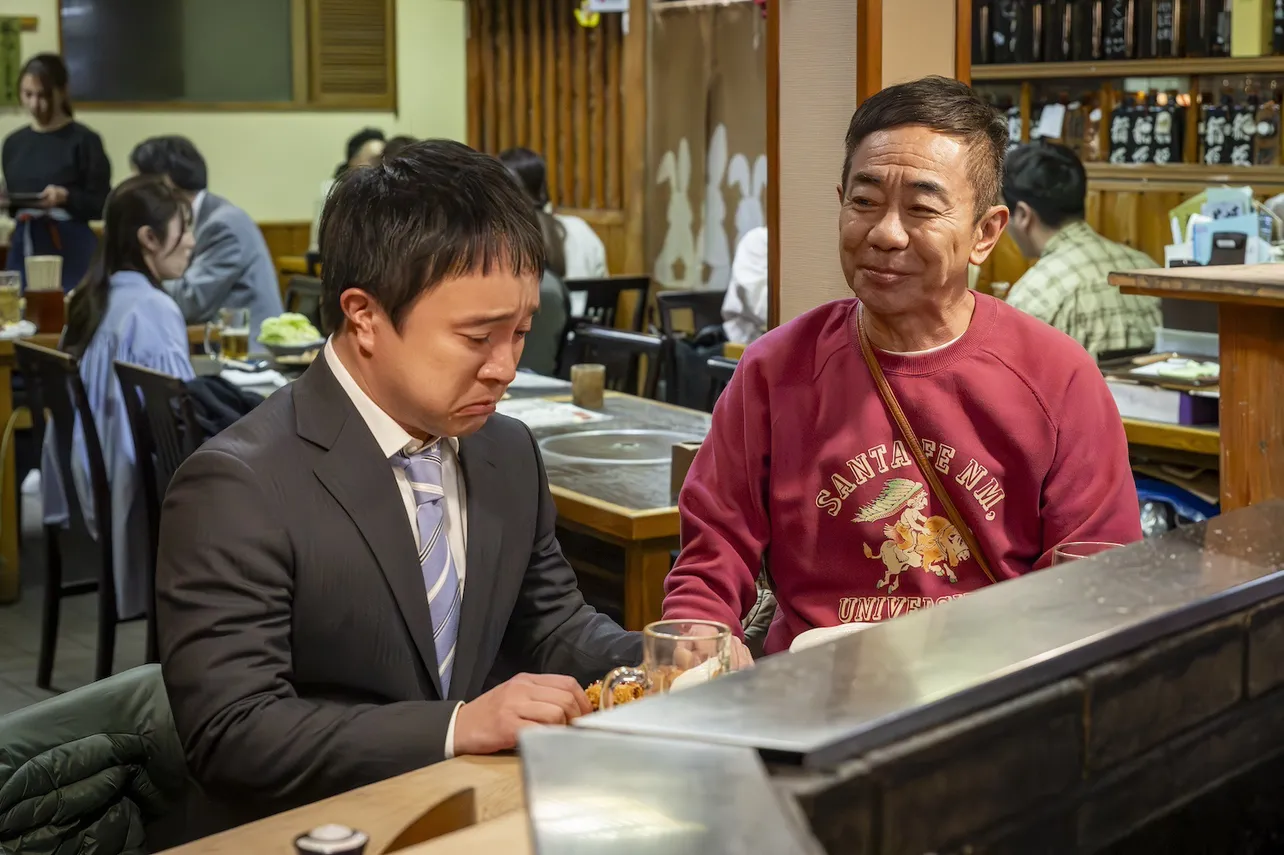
<point>77,638</point>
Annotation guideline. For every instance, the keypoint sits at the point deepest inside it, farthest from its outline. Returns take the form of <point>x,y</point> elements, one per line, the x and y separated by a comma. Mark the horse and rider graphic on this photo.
<point>931,544</point>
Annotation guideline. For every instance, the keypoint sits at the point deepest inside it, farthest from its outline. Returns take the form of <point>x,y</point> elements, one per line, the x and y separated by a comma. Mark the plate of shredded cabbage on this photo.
<point>289,334</point>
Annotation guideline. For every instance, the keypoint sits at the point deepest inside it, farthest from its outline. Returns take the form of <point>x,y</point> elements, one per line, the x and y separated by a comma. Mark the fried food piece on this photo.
<point>623,694</point>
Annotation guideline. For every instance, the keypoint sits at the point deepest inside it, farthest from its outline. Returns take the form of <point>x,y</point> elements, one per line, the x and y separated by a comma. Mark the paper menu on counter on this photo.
<point>529,380</point>
<point>539,413</point>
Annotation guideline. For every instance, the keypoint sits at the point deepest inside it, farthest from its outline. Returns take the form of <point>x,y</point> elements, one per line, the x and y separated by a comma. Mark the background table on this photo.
<point>627,505</point>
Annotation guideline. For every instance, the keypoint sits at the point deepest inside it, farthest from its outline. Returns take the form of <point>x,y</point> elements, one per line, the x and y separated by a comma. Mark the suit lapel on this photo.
<point>368,493</point>
<point>483,484</point>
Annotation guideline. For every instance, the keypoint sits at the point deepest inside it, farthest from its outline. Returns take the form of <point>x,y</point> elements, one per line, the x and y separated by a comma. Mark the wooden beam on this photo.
<point>636,91</point>
<point>963,40</point>
<point>869,48</point>
<point>773,164</point>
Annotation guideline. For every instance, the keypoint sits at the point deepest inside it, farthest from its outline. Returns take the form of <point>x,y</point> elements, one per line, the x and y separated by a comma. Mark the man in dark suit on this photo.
<point>347,575</point>
<point>231,267</point>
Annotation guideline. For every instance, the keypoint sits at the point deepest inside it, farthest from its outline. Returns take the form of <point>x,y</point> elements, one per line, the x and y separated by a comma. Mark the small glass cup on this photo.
<point>10,297</point>
<point>588,385</point>
<point>671,648</point>
<point>1067,552</point>
<point>229,336</point>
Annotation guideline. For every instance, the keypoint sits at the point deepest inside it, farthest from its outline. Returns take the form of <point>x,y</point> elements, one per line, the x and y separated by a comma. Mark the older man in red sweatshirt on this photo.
<point>805,466</point>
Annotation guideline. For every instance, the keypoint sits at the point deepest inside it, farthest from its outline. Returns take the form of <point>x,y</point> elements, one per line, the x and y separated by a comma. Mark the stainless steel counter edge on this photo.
<point>825,705</point>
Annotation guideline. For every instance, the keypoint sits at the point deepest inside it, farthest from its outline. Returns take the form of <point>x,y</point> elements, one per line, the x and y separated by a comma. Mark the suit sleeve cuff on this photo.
<point>450,733</point>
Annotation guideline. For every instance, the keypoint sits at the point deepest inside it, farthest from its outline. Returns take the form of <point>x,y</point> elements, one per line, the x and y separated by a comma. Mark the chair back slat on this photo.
<point>58,400</point>
<point>720,370</point>
<point>688,311</point>
<point>163,424</point>
<point>604,298</point>
<point>622,353</point>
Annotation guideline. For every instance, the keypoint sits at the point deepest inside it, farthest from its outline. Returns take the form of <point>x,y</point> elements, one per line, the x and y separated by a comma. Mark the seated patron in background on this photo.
<point>744,309</point>
<point>365,148</point>
<point>231,267</point>
<point>805,466</point>
<point>1044,186</point>
<point>583,250</point>
<point>120,312</point>
<point>395,146</point>
<point>548,327</point>
<point>349,575</point>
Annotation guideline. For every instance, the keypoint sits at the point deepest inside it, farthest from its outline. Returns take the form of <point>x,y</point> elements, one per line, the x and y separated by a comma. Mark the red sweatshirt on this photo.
<point>805,466</point>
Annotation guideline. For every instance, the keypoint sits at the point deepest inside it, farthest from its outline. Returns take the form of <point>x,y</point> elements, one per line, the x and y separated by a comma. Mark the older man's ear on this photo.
<point>988,231</point>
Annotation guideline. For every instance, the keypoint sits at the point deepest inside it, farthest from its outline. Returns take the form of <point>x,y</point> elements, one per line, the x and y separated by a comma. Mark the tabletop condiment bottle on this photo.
<point>1085,29</point>
<point>1243,128</point>
<point>1198,26</point>
<point>983,32</point>
<point>1121,132</point>
<point>1141,146</point>
<point>1159,33</point>
<point>1266,142</point>
<point>1120,29</point>
<point>1169,127</point>
<point>1058,30</point>
<point>1219,36</point>
<point>331,840</point>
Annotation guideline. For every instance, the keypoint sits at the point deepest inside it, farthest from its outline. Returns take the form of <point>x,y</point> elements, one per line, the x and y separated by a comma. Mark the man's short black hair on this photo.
<point>436,211</point>
<point>948,107</point>
<point>1049,178</point>
<point>174,156</point>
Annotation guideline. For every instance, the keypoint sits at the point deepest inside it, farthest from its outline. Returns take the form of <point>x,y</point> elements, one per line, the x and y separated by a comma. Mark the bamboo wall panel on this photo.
<point>540,80</point>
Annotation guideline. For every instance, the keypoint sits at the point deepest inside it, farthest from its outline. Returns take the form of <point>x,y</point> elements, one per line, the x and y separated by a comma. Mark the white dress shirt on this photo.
<point>392,438</point>
<point>585,252</point>
<point>744,309</point>
<point>197,201</point>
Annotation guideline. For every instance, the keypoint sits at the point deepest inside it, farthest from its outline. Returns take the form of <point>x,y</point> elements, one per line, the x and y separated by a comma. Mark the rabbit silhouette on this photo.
<point>712,238</point>
<point>679,246</point>
<point>753,186</point>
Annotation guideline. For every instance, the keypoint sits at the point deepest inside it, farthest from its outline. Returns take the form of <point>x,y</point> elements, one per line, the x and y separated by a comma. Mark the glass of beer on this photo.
<point>229,336</point>
<point>675,653</point>
<point>10,297</point>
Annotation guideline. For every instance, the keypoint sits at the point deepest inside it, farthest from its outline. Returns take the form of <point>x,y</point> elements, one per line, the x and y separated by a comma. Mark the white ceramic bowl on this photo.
<point>824,634</point>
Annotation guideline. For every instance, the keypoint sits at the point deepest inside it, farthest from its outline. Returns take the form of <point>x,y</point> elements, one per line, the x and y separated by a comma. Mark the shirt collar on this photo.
<point>196,205</point>
<point>1072,233</point>
<point>390,436</point>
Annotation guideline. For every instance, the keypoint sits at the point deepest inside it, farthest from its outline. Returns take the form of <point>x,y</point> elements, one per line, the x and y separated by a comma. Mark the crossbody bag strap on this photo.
<point>911,439</point>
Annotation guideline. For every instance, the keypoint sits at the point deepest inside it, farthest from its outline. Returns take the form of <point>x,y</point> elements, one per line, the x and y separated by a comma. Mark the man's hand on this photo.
<point>53,196</point>
<point>491,722</point>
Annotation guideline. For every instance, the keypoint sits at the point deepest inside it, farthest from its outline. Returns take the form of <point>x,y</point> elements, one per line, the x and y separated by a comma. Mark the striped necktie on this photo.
<point>445,598</point>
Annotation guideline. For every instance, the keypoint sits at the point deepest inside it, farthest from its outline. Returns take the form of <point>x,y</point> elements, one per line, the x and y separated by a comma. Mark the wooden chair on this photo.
<point>303,295</point>
<point>603,300</point>
<point>163,425</point>
<point>703,307</point>
<point>720,371</point>
<point>683,314</point>
<point>621,352</point>
<point>56,391</point>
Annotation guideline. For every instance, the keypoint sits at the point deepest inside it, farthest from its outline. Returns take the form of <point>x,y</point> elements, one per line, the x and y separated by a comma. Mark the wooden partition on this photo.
<point>577,95</point>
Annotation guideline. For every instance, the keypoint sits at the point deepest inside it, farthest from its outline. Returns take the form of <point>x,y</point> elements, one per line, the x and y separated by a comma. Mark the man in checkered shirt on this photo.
<point>1044,186</point>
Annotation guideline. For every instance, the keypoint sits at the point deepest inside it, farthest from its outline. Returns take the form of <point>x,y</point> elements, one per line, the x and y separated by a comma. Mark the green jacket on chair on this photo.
<point>88,771</point>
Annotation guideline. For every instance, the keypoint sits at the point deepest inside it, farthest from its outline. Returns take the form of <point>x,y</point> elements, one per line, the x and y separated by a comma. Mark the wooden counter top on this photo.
<point>1245,284</point>
<point>382,810</point>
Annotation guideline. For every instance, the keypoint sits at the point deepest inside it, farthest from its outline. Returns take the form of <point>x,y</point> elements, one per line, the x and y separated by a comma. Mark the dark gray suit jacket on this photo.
<point>231,268</point>
<point>295,634</point>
